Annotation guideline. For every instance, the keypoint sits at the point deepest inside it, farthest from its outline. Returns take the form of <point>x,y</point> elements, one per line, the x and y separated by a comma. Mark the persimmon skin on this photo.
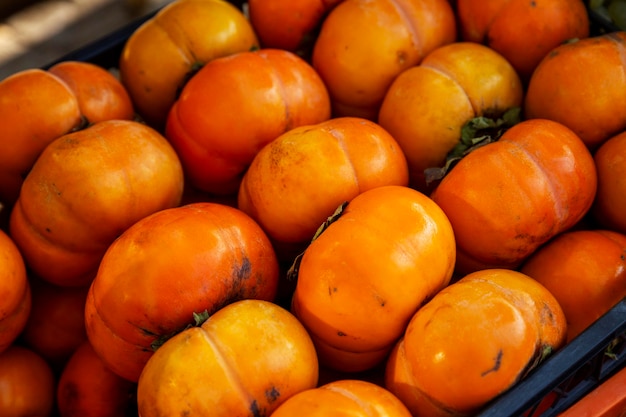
<point>87,388</point>
<point>507,198</point>
<point>285,24</point>
<point>246,359</point>
<point>84,190</point>
<point>609,207</point>
<point>360,280</point>
<point>15,292</point>
<point>565,85</point>
<point>218,254</point>
<point>100,94</point>
<point>585,270</point>
<point>522,31</point>
<point>273,91</point>
<point>503,321</point>
<point>352,397</point>
<point>363,45</point>
<point>36,107</point>
<point>298,180</point>
<point>56,337</point>
<point>427,105</point>
<point>161,54</point>
<point>27,384</point>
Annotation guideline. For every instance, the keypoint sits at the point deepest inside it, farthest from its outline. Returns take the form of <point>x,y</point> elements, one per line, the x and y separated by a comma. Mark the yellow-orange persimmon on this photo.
<point>246,359</point>
<point>507,198</point>
<point>84,190</point>
<point>363,277</point>
<point>427,106</point>
<point>349,397</point>
<point>472,341</point>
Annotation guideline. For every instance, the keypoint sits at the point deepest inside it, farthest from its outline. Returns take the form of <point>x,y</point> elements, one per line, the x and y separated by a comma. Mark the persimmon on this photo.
<point>363,277</point>
<point>363,45</point>
<point>27,384</point>
<point>166,50</point>
<point>585,270</point>
<point>427,106</point>
<point>473,341</point>
<point>15,292</point>
<point>56,325</point>
<point>609,207</point>
<point>522,31</point>
<point>353,397</point>
<point>167,266</point>
<point>246,359</point>
<point>287,24</point>
<point>565,87</point>
<point>88,388</point>
<point>36,107</point>
<point>85,189</point>
<point>100,94</point>
<point>234,106</point>
<point>507,198</point>
<point>298,180</point>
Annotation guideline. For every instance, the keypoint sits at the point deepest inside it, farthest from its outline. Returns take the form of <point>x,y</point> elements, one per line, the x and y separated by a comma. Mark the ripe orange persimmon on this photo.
<point>101,95</point>
<point>363,45</point>
<point>507,198</point>
<point>566,86</point>
<point>85,189</point>
<point>15,292</point>
<point>160,56</point>
<point>288,24</point>
<point>522,31</point>
<point>88,388</point>
<point>585,270</point>
<point>609,207</point>
<point>245,360</point>
<point>27,384</point>
<point>168,266</point>
<point>236,105</point>
<point>348,397</point>
<point>472,341</point>
<point>364,276</point>
<point>56,325</point>
<point>427,105</point>
<point>298,180</point>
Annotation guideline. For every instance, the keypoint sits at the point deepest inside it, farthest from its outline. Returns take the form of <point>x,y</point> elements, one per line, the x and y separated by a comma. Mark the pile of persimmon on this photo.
<point>311,206</point>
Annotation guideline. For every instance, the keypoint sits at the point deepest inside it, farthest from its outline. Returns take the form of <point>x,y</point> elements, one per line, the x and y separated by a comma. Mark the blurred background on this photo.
<point>34,33</point>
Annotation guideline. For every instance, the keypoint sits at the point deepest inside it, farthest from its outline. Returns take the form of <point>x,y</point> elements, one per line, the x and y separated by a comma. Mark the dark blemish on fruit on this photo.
<point>496,364</point>
<point>255,410</point>
<point>272,394</point>
<point>243,271</point>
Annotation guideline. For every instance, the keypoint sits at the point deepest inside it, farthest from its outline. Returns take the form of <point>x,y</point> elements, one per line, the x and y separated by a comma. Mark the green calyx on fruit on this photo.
<point>198,319</point>
<point>476,132</point>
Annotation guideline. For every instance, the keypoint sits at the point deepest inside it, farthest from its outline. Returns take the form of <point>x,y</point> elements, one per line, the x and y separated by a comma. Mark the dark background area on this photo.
<point>34,33</point>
